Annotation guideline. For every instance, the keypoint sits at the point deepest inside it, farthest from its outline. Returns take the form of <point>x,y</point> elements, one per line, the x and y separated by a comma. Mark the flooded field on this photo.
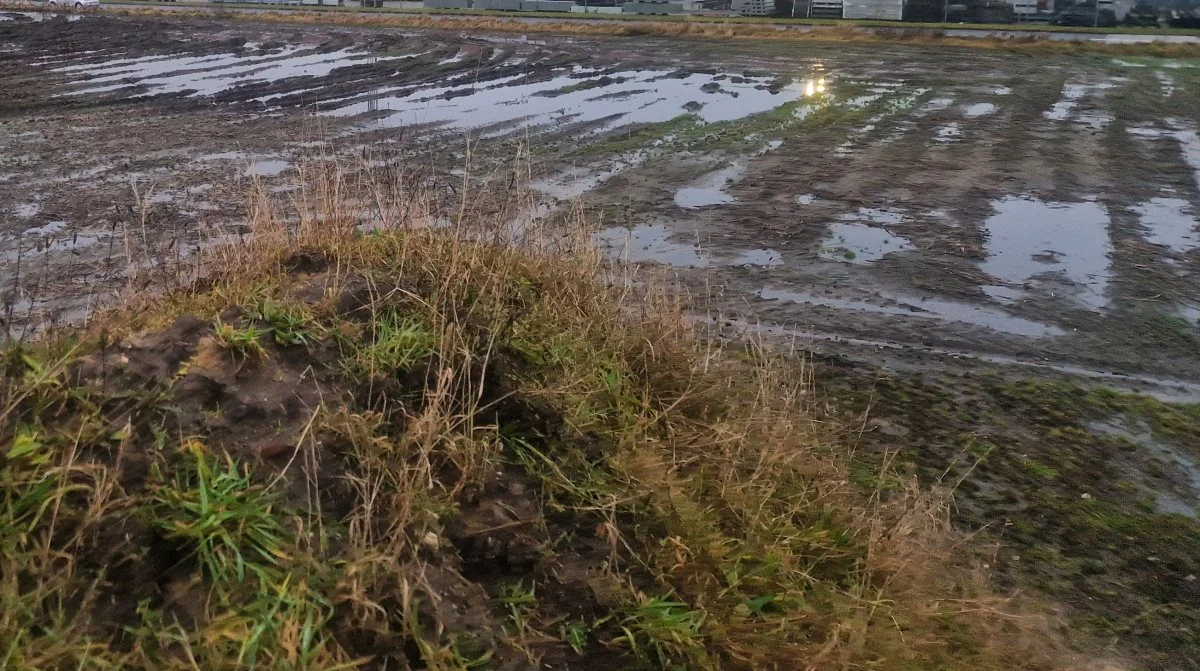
<point>946,216</point>
<point>876,193</point>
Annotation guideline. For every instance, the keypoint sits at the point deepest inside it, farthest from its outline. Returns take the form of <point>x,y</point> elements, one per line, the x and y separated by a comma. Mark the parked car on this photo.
<point>1085,16</point>
<point>1142,14</point>
<point>77,4</point>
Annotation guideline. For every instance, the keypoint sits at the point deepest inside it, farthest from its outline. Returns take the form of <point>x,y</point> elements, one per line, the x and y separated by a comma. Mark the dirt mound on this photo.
<point>411,450</point>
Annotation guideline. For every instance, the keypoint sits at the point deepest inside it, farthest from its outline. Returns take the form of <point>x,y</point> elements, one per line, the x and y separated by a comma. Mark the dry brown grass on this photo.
<point>698,492</point>
<point>1031,42</point>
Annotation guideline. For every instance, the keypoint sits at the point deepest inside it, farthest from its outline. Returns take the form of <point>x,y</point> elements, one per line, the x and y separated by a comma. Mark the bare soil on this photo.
<point>963,221</point>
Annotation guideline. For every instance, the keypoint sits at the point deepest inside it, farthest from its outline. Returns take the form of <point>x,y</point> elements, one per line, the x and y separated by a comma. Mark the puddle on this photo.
<point>874,215</point>
<point>26,210</point>
<point>1093,120</point>
<point>267,168</point>
<point>637,96</point>
<point>710,189</point>
<point>928,308</point>
<point>1189,147</point>
<point>47,229</point>
<point>1189,142</point>
<point>1165,389</point>
<point>802,112</point>
<point>1186,475</point>
<point>649,243</point>
<point>1144,131</point>
<point>860,243</point>
<point>1001,90</point>
<point>806,199</point>
<point>761,258</point>
<point>847,148</point>
<point>1072,93</point>
<point>950,132</point>
<point>769,147</point>
<point>254,166</point>
<point>1168,223</point>
<point>1027,239</point>
<point>1167,83</point>
<point>45,240</point>
<point>209,74</point>
<point>1002,294</point>
<point>1070,98</point>
<point>979,109</point>
<point>1189,312</point>
<point>576,181</point>
<point>936,105</point>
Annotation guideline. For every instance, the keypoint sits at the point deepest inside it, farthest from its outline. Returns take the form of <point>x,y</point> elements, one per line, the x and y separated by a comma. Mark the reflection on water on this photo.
<point>979,109</point>
<point>948,133</point>
<point>1072,94</point>
<point>26,210</point>
<point>1183,133</point>
<point>577,180</point>
<point>576,95</point>
<point>1029,239</point>
<point>1168,223</point>
<point>923,308</point>
<point>861,243</point>
<point>1179,491</point>
<point>759,258</point>
<point>256,166</point>
<point>649,243</point>
<point>210,74</point>
<point>710,189</point>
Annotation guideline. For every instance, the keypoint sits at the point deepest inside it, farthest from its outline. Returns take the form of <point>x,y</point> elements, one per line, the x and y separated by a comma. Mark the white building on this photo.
<point>1024,6</point>
<point>754,7</point>
<point>825,9</point>
<point>887,10</point>
<point>1119,7</point>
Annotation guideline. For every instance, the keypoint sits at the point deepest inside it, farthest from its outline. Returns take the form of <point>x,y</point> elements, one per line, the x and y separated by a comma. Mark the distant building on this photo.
<point>886,10</point>
<point>825,9</point>
<point>652,7</point>
<point>754,7</point>
<point>1025,7</point>
<point>1120,8</point>
<point>816,9</point>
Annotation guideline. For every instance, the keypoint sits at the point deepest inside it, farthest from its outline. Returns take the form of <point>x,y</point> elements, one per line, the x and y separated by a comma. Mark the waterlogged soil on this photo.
<point>1043,208</point>
<point>1090,495</point>
<point>971,242</point>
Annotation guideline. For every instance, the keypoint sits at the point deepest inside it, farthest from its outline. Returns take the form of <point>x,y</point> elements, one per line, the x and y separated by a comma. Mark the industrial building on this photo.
<point>1078,12</point>
<point>652,7</point>
<point>754,7</point>
<point>888,10</point>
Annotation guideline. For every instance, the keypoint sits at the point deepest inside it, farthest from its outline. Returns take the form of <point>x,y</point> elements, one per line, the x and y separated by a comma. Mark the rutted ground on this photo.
<point>934,211</point>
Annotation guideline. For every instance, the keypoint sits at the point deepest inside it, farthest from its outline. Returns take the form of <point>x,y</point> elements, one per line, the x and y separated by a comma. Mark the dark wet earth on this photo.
<point>969,241</point>
<point>1041,208</point>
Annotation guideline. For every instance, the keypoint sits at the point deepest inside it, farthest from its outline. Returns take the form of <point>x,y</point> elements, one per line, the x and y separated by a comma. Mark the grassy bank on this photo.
<point>472,445</point>
<point>692,27</point>
<point>761,20</point>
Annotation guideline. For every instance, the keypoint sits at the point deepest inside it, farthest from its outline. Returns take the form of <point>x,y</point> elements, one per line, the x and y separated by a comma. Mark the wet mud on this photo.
<point>965,221</point>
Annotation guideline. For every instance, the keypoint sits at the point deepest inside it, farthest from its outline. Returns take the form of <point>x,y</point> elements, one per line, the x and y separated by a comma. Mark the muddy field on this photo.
<point>882,194</point>
<point>967,220</point>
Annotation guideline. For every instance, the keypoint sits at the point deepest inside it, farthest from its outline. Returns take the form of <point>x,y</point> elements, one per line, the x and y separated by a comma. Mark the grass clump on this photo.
<point>397,343</point>
<point>219,513</point>
<point>660,633</point>
<point>243,342</point>
<point>287,323</point>
<point>482,456</point>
